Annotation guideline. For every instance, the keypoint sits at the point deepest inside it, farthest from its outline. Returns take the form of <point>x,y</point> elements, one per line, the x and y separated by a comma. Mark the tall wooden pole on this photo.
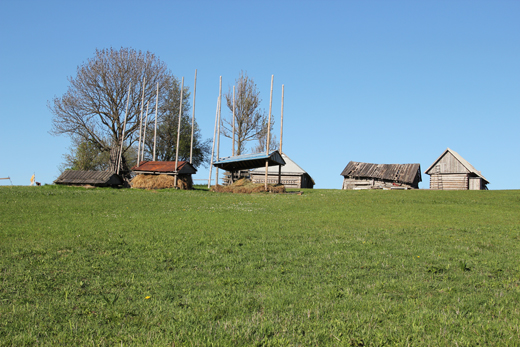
<point>178,135</point>
<point>268,131</point>
<point>124,127</point>
<point>281,120</point>
<point>193,117</point>
<point>213,146</point>
<point>281,136</point>
<point>140,123</point>
<point>145,126</point>
<point>233,151</point>
<point>218,131</point>
<point>155,130</point>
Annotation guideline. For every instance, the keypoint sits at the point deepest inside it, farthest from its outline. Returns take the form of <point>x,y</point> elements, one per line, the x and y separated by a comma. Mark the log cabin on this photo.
<point>452,172</point>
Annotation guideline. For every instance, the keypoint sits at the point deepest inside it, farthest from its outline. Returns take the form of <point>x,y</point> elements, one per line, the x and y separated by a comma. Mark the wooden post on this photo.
<point>155,130</point>
<point>178,136</point>
<point>268,132</point>
<point>140,123</point>
<point>213,146</point>
<point>145,126</point>
<point>281,136</point>
<point>233,151</point>
<point>218,131</point>
<point>124,126</point>
<point>193,117</point>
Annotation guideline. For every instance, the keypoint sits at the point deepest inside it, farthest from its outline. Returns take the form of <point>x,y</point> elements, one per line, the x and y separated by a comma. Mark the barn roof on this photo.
<point>405,173</point>
<point>463,161</point>
<point>87,177</point>
<point>165,167</point>
<point>249,161</point>
<point>290,168</point>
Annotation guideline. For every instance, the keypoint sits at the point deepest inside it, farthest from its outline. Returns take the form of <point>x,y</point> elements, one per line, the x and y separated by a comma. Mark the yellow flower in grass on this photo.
<point>147,297</point>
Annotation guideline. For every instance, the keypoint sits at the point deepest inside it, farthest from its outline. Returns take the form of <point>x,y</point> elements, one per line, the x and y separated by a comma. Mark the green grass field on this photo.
<point>121,267</point>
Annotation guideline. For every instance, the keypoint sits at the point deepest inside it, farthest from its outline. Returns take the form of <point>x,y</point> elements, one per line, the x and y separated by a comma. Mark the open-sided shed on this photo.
<point>452,172</point>
<point>249,161</point>
<point>359,175</point>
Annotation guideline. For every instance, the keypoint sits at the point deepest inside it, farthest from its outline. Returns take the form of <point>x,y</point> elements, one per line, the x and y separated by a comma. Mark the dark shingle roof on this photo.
<point>405,173</point>
<point>86,177</point>
<point>249,161</point>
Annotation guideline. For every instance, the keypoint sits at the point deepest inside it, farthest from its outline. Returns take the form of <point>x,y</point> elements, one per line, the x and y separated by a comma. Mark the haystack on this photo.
<point>145,181</point>
<point>245,186</point>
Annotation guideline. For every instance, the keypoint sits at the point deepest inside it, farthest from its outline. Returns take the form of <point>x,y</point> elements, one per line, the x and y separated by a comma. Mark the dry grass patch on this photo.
<point>144,181</point>
<point>245,186</point>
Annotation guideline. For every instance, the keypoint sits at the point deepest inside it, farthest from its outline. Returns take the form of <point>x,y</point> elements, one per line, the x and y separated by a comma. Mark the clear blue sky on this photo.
<point>371,81</point>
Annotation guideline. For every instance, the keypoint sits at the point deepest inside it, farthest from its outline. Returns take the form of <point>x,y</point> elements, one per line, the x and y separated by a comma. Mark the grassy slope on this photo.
<point>328,267</point>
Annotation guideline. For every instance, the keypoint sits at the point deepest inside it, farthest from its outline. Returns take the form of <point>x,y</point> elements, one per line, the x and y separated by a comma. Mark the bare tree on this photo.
<point>167,130</point>
<point>93,108</point>
<point>250,120</point>
<point>262,137</point>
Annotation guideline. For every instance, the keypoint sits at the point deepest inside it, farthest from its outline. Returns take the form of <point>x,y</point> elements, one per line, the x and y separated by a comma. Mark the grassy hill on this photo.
<point>109,267</point>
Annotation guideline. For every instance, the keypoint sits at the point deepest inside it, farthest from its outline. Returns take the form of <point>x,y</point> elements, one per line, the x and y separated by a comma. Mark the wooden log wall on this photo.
<point>287,181</point>
<point>370,183</point>
<point>449,181</point>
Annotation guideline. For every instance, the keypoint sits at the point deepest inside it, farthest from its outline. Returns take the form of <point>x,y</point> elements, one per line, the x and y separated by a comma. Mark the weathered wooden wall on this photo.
<point>370,183</point>
<point>456,181</point>
<point>476,183</point>
<point>450,164</point>
<point>287,181</point>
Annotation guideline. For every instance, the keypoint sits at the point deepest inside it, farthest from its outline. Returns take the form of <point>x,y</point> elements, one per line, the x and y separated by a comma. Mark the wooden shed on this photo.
<point>116,175</point>
<point>292,175</point>
<point>184,170</point>
<point>92,178</point>
<point>359,175</point>
<point>452,172</point>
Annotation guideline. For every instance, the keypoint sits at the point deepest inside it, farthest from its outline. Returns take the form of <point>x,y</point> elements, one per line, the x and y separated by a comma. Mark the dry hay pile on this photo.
<point>245,186</point>
<point>143,181</point>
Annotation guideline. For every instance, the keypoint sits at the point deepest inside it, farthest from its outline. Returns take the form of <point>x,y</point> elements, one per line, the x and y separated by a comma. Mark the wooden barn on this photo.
<point>381,176</point>
<point>292,175</point>
<point>452,172</point>
<point>184,171</point>
<point>91,178</point>
<point>107,178</point>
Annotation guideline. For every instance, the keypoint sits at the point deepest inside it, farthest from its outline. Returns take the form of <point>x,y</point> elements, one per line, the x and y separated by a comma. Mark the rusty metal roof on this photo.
<point>249,161</point>
<point>405,173</point>
<point>164,167</point>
